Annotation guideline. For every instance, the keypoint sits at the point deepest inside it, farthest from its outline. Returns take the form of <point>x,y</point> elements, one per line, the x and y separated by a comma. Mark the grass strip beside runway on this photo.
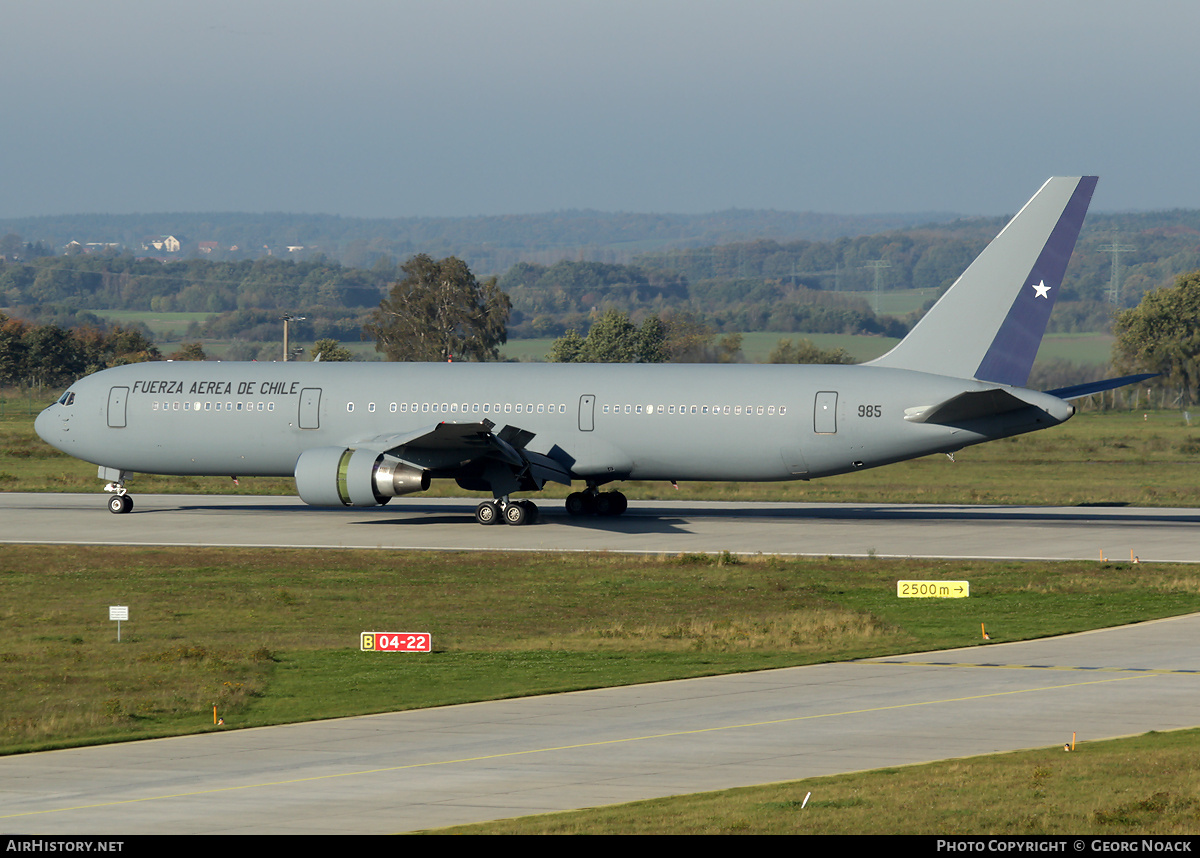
<point>271,636</point>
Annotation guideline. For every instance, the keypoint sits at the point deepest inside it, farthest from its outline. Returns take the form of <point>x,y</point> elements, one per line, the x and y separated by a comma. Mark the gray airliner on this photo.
<point>354,434</point>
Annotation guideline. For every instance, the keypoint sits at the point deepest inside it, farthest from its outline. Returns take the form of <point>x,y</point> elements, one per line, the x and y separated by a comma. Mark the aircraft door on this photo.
<point>117,397</point>
<point>310,405</point>
<point>587,408</point>
<point>793,459</point>
<point>825,413</point>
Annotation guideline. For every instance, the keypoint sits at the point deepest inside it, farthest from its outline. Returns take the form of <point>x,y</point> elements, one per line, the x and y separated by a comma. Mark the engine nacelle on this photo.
<point>338,476</point>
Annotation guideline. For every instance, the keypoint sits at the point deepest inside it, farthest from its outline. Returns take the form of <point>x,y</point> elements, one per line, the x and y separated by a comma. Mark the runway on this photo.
<point>436,767</point>
<point>806,529</point>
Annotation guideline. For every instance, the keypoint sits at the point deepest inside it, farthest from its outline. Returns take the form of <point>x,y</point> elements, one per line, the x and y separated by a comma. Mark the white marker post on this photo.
<point>118,613</point>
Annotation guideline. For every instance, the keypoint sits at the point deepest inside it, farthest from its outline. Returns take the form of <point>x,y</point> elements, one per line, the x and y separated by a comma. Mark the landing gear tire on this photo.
<point>582,503</point>
<point>597,503</point>
<point>516,514</point>
<point>120,504</point>
<point>487,512</point>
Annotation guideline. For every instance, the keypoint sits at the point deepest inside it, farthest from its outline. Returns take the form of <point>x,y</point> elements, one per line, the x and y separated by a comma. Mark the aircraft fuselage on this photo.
<point>600,421</point>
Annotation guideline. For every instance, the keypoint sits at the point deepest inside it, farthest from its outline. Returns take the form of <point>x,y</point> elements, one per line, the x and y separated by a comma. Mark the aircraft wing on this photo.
<point>471,447</point>
<point>459,438</point>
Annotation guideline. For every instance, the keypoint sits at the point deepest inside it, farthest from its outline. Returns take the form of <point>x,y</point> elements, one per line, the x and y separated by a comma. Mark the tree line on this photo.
<point>490,244</point>
<point>52,356</point>
<point>440,311</point>
<point>791,286</point>
<point>1162,335</point>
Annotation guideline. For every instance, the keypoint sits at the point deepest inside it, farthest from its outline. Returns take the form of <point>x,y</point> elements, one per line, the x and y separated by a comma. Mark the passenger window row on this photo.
<point>747,410</point>
<point>187,405</point>
<point>466,408</point>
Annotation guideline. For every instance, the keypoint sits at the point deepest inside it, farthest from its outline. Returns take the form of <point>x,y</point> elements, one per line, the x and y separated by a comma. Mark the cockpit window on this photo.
<point>67,398</point>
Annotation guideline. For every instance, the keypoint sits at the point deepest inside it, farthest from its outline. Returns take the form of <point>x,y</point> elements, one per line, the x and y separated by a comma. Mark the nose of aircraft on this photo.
<point>47,426</point>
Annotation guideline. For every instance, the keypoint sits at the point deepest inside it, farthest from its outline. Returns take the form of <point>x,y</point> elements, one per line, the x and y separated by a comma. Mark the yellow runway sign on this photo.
<point>933,589</point>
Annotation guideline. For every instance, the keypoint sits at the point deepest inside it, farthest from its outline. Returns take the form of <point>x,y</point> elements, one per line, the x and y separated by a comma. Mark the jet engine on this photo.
<point>338,476</point>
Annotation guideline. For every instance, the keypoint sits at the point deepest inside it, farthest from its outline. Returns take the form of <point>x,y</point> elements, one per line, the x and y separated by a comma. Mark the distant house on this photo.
<point>167,243</point>
<point>208,246</point>
<point>76,248</point>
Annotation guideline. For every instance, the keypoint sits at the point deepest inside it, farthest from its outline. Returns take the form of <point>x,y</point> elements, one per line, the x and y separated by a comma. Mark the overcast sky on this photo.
<point>397,108</point>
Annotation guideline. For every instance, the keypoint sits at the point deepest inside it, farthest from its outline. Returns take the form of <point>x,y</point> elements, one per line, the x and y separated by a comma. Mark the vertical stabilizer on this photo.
<point>990,323</point>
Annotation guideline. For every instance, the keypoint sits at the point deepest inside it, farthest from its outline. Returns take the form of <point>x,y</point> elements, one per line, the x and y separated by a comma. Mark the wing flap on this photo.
<point>542,469</point>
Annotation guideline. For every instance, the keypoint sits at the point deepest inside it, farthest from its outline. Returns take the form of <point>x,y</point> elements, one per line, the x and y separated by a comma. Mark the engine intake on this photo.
<point>339,476</point>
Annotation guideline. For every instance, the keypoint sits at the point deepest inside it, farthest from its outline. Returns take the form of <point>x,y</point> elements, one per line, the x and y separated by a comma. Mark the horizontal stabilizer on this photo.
<point>1077,390</point>
<point>967,406</point>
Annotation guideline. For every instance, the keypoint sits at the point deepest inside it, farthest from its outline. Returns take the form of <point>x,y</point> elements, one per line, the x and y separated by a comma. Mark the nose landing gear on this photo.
<point>121,501</point>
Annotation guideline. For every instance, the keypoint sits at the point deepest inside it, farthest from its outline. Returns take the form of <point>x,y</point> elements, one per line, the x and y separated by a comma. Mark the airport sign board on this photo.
<point>933,589</point>
<point>396,642</point>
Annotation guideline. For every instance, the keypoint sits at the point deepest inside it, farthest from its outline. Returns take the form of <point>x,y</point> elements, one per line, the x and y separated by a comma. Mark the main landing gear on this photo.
<point>594,502</point>
<point>515,513</point>
<point>590,501</point>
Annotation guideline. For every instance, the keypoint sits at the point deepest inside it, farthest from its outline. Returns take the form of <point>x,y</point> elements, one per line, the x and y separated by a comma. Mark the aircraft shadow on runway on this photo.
<point>648,518</point>
<point>668,522</point>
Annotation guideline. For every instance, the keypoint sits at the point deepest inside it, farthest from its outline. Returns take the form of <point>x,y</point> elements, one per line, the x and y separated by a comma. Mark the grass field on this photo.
<point>163,326</point>
<point>1085,349</point>
<point>897,302</point>
<point>1089,349</point>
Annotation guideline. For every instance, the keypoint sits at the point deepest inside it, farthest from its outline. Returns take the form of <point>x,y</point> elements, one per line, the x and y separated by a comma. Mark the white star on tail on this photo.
<point>1043,291</point>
